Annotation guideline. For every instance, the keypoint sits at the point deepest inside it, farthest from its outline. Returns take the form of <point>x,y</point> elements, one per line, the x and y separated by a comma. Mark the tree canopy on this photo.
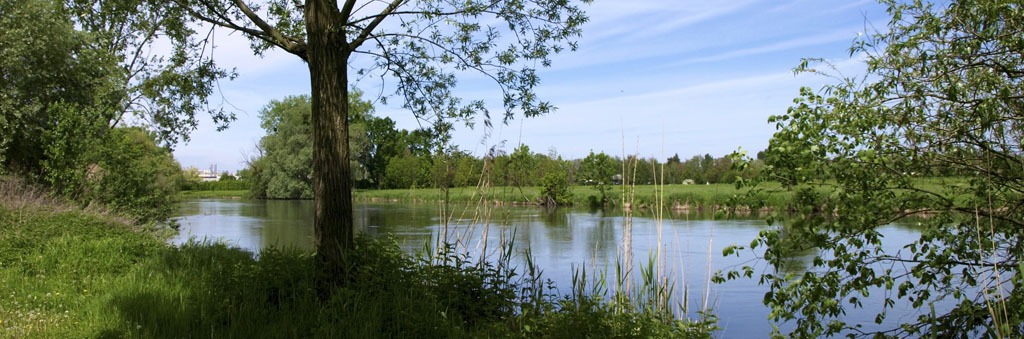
<point>74,74</point>
<point>942,96</point>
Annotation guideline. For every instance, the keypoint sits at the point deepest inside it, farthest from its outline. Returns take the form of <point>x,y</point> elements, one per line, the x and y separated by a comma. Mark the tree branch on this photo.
<point>368,30</point>
<point>277,39</point>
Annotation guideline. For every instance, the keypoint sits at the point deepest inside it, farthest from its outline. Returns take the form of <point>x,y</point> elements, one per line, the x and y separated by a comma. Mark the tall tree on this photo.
<point>287,149</point>
<point>423,45</point>
<point>286,167</point>
<point>942,95</point>
<point>385,143</point>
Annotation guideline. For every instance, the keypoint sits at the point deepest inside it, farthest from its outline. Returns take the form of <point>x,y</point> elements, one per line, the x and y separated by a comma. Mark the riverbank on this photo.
<point>682,198</point>
<point>213,194</point>
<point>677,198</point>
<point>70,273</point>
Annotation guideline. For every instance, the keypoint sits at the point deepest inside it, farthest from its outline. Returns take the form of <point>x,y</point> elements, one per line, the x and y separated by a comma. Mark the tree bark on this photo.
<point>332,187</point>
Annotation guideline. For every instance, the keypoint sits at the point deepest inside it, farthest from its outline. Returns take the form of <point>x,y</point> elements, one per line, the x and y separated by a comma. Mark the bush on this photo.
<point>555,189</point>
<point>131,174</point>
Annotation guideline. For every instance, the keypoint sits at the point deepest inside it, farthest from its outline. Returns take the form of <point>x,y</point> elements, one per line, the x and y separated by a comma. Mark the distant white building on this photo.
<point>209,174</point>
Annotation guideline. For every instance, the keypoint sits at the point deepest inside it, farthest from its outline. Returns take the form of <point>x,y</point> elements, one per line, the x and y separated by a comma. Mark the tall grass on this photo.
<point>69,273</point>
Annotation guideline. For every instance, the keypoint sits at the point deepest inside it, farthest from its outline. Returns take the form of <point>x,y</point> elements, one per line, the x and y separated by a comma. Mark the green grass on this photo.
<point>69,274</point>
<point>232,194</point>
<point>695,197</point>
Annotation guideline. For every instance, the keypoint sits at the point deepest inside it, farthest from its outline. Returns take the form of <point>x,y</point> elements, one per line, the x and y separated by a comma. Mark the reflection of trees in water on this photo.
<point>286,223</point>
<point>555,217</point>
<point>557,230</point>
<point>602,238</point>
<point>797,254</point>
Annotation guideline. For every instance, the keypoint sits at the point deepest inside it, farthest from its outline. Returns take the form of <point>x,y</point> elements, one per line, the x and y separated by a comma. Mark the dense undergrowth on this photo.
<point>70,273</point>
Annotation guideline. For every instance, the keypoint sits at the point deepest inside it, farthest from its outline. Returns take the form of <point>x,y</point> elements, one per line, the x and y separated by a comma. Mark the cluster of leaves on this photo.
<point>598,170</point>
<point>941,97</point>
<point>556,189</point>
<point>133,174</point>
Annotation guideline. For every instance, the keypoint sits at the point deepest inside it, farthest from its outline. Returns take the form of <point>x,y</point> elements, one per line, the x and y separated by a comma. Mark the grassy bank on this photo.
<point>226,194</point>
<point>693,197</point>
<point>696,197</point>
<point>68,273</point>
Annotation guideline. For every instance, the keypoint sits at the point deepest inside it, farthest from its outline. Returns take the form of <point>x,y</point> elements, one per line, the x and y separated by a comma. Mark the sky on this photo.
<point>651,78</point>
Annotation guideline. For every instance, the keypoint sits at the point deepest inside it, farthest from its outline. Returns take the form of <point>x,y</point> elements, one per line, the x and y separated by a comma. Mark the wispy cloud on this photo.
<point>791,44</point>
<point>687,76</point>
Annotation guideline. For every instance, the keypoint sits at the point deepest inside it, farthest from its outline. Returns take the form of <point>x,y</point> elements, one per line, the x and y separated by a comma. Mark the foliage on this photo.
<point>215,194</point>
<point>468,170</point>
<point>556,190</point>
<point>75,73</point>
<point>284,169</point>
<point>680,198</point>
<point>408,171</point>
<point>225,176</point>
<point>288,148</point>
<point>942,95</point>
<point>220,185</point>
<point>597,170</point>
<point>520,167</point>
<point>134,175</point>
<point>386,142</point>
<point>44,84</point>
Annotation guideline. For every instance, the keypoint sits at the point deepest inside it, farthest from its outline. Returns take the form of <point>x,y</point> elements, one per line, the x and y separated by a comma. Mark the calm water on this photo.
<point>559,240</point>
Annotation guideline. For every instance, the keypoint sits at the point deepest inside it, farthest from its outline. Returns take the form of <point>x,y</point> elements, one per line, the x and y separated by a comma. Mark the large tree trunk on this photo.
<point>332,187</point>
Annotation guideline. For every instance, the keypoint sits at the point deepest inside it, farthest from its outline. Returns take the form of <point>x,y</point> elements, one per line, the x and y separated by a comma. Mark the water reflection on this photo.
<point>560,240</point>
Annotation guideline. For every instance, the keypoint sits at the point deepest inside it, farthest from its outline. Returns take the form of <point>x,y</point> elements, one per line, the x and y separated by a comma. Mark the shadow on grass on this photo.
<point>213,291</point>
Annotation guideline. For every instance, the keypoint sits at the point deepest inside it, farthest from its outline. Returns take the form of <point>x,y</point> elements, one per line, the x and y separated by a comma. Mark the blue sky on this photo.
<point>651,77</point>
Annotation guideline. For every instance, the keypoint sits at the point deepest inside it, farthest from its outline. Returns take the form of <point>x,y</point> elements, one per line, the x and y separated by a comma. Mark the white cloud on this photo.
<point>795,43</point>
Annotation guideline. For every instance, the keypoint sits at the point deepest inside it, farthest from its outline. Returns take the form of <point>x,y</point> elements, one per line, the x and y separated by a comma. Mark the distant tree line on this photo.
<point>385,157</point>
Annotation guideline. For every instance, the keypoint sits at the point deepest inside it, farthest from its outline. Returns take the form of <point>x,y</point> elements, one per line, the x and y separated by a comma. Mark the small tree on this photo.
<point>132,174</point>
<point>942,95</point>
<point>556,190</point>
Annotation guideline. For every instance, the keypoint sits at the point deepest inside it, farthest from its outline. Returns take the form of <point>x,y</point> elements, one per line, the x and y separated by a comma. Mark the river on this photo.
<point>560,241</point>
